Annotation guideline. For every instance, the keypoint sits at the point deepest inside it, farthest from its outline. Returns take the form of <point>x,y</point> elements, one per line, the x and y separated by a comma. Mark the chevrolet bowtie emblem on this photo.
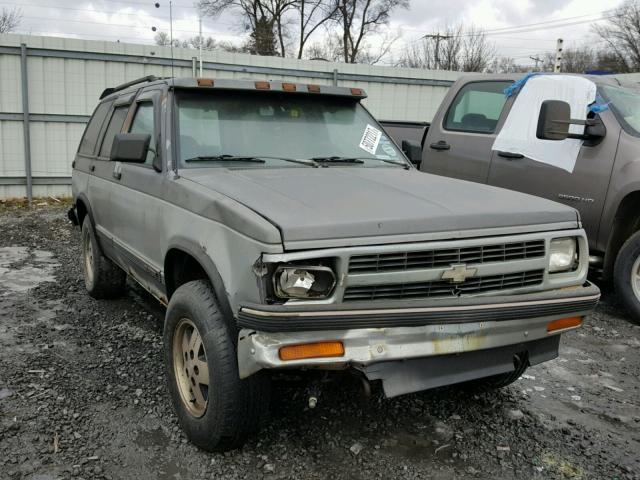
<point>458,273</point>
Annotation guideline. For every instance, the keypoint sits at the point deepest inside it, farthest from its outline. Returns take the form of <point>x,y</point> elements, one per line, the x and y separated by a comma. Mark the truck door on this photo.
<point>459,140</point>
<point>584,189</point>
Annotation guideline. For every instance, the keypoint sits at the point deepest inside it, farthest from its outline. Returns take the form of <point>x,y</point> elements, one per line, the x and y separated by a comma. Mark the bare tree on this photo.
<point>265,19</point>
<point>452,48</point>
<point>208,43</point>
<point>358,19</point>
<point>621,33</point>
<point>10,19</point>
<point>312,14</point>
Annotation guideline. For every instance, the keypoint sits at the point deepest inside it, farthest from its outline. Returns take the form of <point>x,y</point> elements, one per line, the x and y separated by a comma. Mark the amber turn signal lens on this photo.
<point>263,85</point>
<point>563,323</point>
<point>205,82</point>
<point>312,350</point>
<point>313,88</point>
<point>289,87</point>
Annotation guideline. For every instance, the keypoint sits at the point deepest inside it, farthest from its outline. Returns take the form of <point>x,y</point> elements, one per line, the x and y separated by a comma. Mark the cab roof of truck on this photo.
<point>236,85</point>
<point>597,79</point>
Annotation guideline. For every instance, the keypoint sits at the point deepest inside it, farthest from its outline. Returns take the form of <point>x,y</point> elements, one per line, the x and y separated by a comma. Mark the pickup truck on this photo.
<point>283,230</point>
<point>604,186</point>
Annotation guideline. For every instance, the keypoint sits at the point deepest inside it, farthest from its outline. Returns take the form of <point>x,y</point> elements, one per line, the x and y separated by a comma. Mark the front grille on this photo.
<point>441,288</point>
<point>380,262</point>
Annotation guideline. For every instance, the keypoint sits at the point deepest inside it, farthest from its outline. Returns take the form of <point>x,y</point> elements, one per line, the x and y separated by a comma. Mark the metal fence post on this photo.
<point>335,77</point>
<point>194,63</point>
<point>25,121</point>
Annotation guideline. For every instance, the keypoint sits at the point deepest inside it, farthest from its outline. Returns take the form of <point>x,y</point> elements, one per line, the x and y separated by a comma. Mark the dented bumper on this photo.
<point>372,336</point>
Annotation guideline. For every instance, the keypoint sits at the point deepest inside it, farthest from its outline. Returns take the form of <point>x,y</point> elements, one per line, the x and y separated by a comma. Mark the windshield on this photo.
<point>625,103</point>
<point>267,125</point>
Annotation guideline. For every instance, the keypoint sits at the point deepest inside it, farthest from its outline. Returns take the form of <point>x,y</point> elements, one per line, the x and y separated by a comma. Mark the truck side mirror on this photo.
<point>130,147</point>
<point>554,120</point>
<point>413,151</point>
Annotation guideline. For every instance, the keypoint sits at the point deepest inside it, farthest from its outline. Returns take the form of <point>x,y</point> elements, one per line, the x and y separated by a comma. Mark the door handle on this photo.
<point>441,145</point>
<point>510,156</point>
<point>92,168</point>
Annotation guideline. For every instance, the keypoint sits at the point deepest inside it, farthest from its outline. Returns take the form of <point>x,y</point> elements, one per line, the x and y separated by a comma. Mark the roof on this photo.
<point>237,85</point>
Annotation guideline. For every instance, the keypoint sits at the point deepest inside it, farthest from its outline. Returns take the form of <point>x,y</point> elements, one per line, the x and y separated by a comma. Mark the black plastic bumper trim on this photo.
<point>281,319</point>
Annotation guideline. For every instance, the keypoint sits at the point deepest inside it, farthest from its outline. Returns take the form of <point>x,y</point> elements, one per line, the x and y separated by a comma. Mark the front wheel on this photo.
<point>216,409</point>
<point>626,276</point>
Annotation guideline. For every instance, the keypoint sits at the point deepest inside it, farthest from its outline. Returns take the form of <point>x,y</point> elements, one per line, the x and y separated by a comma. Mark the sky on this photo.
<point>519,29</point>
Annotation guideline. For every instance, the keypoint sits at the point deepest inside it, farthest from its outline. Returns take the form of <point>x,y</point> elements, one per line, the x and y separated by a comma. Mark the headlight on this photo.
<point>303,282</point>
<point>562,255</point>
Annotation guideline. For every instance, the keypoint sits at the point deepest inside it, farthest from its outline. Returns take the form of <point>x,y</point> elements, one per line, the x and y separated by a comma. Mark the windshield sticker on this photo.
<point>370,139</point>
<point>388,149</point>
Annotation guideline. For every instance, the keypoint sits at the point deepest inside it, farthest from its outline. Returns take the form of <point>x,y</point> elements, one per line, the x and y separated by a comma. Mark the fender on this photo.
<point>188,246</point>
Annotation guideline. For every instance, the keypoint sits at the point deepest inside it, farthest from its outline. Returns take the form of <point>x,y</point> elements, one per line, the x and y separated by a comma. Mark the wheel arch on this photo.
<point>626,222</point>
<point>185,261</point>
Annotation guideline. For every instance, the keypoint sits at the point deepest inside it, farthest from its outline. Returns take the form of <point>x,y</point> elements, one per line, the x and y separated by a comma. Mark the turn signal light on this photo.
<point>289,87</point>
<point>263,85</point>
<point>205,82</point>
<point>312,350</point>
<point>563,323</point>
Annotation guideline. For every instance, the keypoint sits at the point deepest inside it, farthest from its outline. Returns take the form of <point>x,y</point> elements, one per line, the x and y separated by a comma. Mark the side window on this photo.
<point>477,107</point>
<point>115,126</point>
<point>143,123</point>
<point>91,132</point>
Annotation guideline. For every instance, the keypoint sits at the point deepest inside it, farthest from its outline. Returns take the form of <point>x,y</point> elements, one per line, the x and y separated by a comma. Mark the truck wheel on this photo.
<point>217,410</point>
<point>626,276</point>
<point>102,277</point>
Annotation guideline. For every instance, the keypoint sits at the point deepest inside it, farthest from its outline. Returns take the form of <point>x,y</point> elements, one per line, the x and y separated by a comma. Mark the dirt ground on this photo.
<point>82,394</point>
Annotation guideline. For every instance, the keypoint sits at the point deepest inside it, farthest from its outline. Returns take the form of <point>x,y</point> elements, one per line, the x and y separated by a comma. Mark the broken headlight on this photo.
<point>294,281</point>
<point>563,255</point>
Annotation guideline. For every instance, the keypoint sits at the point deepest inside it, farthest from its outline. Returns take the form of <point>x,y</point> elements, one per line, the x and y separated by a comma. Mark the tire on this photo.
<point>102,277</point>
<point>495,382</point>
<point>626,276</point>
<point>217,410</point>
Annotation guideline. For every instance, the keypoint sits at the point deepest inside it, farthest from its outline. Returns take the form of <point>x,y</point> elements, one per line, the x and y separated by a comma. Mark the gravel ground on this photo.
<point>82,394</point>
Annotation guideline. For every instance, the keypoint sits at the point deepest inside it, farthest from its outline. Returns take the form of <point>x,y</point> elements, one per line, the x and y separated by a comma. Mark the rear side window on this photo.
<point>477,107</point>
<point>115,126</point>
<point>90,137</point>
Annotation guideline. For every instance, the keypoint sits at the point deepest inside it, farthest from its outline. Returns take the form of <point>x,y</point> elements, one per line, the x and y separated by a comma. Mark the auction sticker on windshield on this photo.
<point>370,139</point>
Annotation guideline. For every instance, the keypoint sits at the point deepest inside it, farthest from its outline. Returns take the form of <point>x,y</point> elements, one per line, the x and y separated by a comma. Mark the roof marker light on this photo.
<point>313,88</point>
<point>357,92</point>
<point>289,87</point>
<point>263,86</point>
<point>205,82</point>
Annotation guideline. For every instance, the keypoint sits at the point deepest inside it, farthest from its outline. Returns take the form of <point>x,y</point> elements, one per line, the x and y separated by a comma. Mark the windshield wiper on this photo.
<point>230,158</point>
<point>337,159</point>
<point>248,158</point>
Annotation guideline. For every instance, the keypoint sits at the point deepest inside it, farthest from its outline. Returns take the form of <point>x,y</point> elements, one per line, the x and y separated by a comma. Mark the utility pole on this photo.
<point>437,38</point>
<point>537,60</point>
<point>201,40</point>
<point>558,64</point>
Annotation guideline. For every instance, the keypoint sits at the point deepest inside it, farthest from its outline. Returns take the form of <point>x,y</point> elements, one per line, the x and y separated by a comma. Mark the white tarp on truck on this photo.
<point>518,135</point>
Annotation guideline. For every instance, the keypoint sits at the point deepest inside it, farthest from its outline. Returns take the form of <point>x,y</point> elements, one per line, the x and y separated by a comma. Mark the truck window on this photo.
<point>143,123</point>
<point>477,107</point>
<point>90,137</point>
<point>115,126</point>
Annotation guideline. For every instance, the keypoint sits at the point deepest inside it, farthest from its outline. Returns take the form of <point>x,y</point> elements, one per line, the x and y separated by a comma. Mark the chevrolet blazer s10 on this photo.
<point>284,229</point>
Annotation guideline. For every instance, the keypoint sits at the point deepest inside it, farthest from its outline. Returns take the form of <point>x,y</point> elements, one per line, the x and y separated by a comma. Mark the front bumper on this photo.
<point>403,330</point>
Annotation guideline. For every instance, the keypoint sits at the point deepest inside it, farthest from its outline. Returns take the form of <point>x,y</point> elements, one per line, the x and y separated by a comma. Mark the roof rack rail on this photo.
<point>110,90</point>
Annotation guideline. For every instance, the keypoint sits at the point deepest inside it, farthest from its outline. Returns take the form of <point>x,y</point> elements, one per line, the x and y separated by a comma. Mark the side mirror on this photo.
<point>554,120</point>
<point>130,147</point>
<point>413,151</point>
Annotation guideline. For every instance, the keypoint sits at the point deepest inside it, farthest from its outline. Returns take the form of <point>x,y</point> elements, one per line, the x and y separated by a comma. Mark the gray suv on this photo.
<point>284,230</point>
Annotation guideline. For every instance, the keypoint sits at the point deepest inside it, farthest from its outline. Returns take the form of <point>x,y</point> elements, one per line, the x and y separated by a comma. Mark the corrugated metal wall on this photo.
<point>66,76</point>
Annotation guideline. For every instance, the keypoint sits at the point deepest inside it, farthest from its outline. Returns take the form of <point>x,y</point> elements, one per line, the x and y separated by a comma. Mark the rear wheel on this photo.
<point>217,410</point>
<point>102,277</point>
<point>626,276</point>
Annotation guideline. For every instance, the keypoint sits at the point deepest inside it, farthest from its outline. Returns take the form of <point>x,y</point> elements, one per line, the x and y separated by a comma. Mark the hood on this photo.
<point>315,204</point>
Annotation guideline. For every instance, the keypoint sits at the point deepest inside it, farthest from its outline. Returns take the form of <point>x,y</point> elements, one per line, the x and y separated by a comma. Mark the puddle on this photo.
<point>22,269</point>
